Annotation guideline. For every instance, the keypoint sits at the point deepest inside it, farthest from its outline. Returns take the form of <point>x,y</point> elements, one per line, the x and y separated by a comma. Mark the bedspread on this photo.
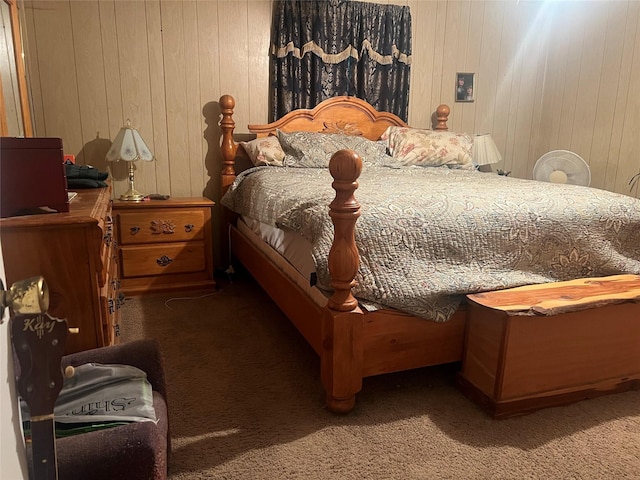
<point>428,236</point>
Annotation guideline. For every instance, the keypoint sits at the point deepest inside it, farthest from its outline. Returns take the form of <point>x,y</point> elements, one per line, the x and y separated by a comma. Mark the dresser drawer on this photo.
<point>162,225</point>
<point>162,259</point>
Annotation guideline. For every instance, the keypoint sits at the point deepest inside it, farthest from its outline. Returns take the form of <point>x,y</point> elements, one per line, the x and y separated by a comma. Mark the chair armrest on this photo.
<point>144,354</point>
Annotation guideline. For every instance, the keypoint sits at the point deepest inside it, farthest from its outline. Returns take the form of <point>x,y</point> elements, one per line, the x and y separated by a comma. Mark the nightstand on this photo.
<point>164,244</point>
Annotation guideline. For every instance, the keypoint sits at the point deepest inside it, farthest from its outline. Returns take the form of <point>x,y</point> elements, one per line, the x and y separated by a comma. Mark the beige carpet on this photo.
<point>245,402</point>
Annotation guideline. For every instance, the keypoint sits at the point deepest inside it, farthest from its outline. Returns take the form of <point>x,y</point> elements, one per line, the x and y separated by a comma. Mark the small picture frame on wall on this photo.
<point>465,87</point>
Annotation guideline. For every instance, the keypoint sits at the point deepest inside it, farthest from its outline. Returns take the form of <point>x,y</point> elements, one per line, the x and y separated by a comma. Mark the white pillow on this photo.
<point>264,151</point>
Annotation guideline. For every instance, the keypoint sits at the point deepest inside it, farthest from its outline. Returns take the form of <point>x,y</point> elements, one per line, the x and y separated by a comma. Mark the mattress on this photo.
<point>290,252</point>
<point>429,236</point>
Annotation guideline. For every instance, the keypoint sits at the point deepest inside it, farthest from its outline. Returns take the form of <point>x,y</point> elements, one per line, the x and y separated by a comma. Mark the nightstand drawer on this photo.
<point>161,225</point>
<point>168,258</point>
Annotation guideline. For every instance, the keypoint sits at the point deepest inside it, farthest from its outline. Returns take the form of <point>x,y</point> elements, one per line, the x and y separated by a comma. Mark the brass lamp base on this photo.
<point>132,196</point>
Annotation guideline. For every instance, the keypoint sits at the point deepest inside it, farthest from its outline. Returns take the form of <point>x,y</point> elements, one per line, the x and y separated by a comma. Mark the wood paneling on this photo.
<point>549,75</point>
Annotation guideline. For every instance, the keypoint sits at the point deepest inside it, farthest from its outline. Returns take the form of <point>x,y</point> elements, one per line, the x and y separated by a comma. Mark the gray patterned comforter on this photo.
<point>427,236</point>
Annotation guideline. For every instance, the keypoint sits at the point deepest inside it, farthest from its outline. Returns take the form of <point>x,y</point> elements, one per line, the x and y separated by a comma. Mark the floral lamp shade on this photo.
<point>485,150</point>
<point>129,146</point>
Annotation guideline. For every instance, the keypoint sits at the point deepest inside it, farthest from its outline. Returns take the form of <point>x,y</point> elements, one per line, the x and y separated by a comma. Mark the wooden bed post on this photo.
<point>228,146</point>
<point>342,321</point>
<point>442,115</point>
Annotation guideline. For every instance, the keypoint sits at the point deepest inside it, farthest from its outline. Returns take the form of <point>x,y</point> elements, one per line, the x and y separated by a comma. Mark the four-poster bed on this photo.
<point>355,338</point>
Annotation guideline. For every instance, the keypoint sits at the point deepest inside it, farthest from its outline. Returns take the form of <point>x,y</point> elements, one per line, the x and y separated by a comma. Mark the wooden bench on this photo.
<point>545,345</point>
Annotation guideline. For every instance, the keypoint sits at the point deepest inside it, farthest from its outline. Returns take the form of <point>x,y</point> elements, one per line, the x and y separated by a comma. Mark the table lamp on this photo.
<point>129,147</point>
<point>485,151</point>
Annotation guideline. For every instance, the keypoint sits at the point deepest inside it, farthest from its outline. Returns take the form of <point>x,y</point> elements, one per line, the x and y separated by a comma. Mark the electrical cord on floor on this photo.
<point>229,271</point>
<point>166,303</point>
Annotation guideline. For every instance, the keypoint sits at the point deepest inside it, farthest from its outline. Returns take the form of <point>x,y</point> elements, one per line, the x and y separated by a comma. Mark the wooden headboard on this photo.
<point>347,115</point>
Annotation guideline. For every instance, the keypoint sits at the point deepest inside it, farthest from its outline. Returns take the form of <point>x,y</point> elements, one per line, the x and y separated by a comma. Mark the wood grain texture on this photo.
<point>350,115</point>
<point>552,298</point>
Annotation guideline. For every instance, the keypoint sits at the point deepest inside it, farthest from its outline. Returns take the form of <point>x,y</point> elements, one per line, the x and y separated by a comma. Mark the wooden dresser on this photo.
<point>75,253</point>
<point>165,244</point>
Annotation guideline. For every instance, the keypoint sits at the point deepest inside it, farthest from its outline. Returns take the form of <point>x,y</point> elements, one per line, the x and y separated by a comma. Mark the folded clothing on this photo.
<point>84,176</point>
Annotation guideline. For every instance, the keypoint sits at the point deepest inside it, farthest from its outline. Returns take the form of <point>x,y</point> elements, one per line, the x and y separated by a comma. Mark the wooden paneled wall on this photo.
<point>549,75</point>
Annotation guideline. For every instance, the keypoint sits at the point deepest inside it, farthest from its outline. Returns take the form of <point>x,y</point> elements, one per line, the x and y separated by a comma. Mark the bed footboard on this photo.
<point>351,343</point>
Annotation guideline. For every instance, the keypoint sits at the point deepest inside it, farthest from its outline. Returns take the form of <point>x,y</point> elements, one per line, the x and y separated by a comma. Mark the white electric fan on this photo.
<point>562,166</point>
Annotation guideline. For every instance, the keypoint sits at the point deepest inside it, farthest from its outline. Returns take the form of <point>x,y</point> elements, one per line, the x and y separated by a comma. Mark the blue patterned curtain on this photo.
<point>322,49</point>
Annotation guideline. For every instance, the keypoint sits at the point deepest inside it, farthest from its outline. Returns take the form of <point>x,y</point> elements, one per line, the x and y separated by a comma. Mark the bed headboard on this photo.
<point>347,115</point>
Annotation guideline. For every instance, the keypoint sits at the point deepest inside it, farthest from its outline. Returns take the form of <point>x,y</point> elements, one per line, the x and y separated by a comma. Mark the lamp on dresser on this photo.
<point>485,151</point>
<point>129,147</point>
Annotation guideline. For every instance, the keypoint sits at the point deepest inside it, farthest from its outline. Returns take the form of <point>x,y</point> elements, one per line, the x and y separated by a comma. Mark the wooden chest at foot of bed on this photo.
<point>545,345</point>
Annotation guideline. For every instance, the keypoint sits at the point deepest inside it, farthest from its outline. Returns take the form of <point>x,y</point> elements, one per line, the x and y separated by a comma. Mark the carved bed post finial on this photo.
<point>228,146</point>
<point>345,168</point>
<point>442,115</point>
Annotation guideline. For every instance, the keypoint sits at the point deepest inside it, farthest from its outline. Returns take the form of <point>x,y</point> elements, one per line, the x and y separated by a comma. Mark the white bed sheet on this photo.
<point>292,246</point>
<point>289,251</point>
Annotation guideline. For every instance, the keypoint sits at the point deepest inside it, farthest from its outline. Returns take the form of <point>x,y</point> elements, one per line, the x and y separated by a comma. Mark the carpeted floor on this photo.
<point>245,402</point>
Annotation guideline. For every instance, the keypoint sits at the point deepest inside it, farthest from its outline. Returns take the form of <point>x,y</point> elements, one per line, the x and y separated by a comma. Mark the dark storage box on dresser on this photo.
<point>32,175</point>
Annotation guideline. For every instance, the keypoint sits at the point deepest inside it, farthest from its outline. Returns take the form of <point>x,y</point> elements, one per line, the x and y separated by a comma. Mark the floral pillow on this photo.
<point>264,151</point>
<point>432,148</point>
<point>314,149</point>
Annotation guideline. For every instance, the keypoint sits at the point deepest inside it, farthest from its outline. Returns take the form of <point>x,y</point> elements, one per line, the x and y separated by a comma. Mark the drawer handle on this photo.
<point>116,303</point>
<point>188,227</point>
<point>134,230</point>
<point>163,261</point>
<point>120,300</point>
